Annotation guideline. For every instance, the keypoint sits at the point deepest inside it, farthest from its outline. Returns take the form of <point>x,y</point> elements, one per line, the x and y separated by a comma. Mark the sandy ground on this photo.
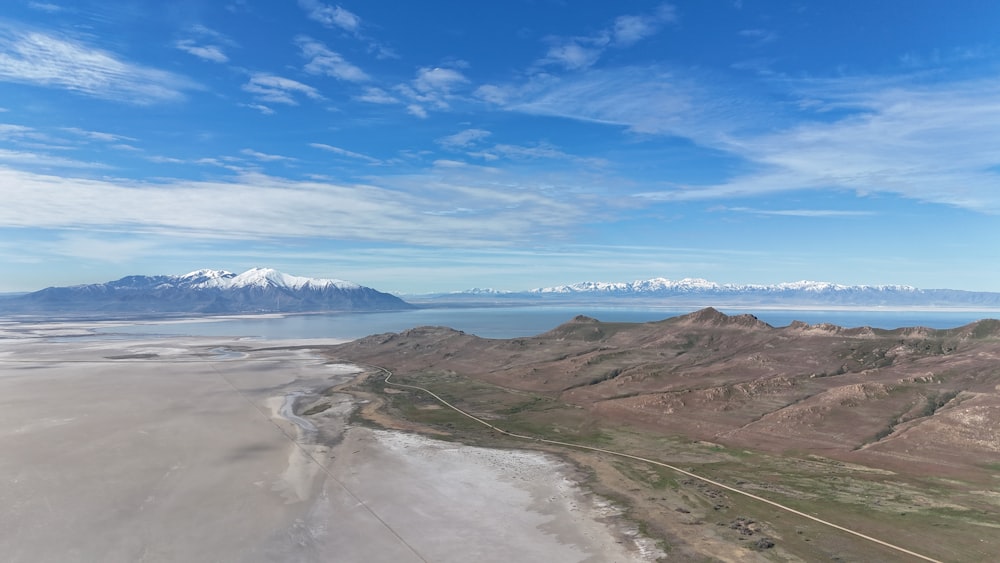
<point>190,449</point>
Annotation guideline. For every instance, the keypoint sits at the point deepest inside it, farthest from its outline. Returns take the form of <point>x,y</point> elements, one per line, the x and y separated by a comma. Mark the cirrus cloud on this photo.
<point>43,59</point>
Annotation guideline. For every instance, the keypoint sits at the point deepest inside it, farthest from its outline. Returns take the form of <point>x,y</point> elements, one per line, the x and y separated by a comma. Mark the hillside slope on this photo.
<point>907,397</point>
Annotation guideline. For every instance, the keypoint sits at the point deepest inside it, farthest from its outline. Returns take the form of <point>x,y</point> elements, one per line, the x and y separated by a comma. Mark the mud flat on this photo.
<point>193,449</point>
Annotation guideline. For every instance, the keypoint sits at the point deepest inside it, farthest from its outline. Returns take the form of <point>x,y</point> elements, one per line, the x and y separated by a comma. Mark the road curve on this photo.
<point>388,375</point>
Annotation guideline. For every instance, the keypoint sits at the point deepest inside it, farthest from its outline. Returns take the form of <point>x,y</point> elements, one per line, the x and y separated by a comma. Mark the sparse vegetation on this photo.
<point>702,410</point>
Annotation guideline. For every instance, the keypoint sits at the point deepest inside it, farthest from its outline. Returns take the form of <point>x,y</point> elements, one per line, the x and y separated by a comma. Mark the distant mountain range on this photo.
<point>700,292</point>
<point>264,290</point>
<point>260,290</point>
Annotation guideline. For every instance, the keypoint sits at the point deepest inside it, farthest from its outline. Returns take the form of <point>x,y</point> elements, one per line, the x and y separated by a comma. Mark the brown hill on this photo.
<point>907,398</point>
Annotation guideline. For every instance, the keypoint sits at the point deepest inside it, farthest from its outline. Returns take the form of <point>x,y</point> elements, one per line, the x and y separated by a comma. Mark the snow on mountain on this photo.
<point>702,292</point>
<point>699,285</point>
<point>208,291</point>
<point>268,277</point>
<point>482,291</point>
<point>206,276</point>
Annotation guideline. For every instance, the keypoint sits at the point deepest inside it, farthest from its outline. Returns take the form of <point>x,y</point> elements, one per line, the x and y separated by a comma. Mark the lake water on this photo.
<point>512,322</point>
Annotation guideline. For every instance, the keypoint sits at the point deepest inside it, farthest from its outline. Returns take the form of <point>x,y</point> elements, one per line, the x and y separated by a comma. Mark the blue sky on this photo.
<point>435,146</point>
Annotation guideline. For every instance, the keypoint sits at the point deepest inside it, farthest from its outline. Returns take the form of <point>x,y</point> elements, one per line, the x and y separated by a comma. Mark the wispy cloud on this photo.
<point>628,30</point>
<point>494,94</point>
<point>160,159</point>
<point>265,157</point>
<point>574,55</point>
<point>258,207</point>
<point>32,57</point>
<point>643,100</point>
<point>808,213</point>
<point>326,62</point>
<point>47,7</point>
<point>760,36</point>
<point>205,43</point>
<point>581,52</point>
<point>416,110</point>
<point>344,152</point>
<point>211,53</point>
<point>433,81</point>
<point>928,140</point>
<point>432,87</point>
<point>12,131</point>
<point>276,89</point>
<point>98,135</point>
<point>544,151</point>
<point>331,16</point>
<point>338,17</point>
<point>259,107</point>
<point>464,139</point>
<point>375,95</point>
<point>34,160</point>
<point>231,163</point>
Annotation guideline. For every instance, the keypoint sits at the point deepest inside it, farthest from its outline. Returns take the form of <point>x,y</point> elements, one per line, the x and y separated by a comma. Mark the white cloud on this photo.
<point>279,90</point>
<point>761,36</point>
<point>31,57</point>
<point>575,53</point>
<point>643,100</point>
<point>45,7</point>
<point>211,53</point>
<point>225,162</point>
<point>493,94</point>
<point>808,213</point>
<point>464,138</point>
<point>904,135</point>
<point>438,80</point>
<point>934,143</point>
<point>417,111</point>
<point>260,207</point>
<point>628,30</point>
<point>259,107</point>
<point>344,152</point>
<point>572,55</point>
<point>159,159</point>
<point>375,95</point>
<point>540,151</point>
<point>266,157</point>
<point>331,16</point>
<point>23,159</point>
<point>205,43</point>
<point>326,62</point>
<point>98,135</point>
<point>431,87</point>
<point>9,130</point>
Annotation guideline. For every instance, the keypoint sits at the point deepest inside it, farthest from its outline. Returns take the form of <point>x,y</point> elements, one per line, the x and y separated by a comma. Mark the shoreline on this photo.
<point>540,318</point>
<point>173,437</point>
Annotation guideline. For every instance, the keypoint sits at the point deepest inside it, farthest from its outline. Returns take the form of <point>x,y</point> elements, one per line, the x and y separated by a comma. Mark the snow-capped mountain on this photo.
<point>263,278</point>
<point>258,290</point>
<point>698,285</point>
<point>701,292</point>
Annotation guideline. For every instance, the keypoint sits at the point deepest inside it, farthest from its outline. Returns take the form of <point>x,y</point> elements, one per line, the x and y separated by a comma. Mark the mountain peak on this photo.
<point>269,277</point>
<point>210,291</point>
<point>203,275</point>
<point>711,316</point>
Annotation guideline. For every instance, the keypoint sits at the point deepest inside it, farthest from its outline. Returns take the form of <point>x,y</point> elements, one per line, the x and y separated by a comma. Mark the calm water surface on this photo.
<point>514,322</point>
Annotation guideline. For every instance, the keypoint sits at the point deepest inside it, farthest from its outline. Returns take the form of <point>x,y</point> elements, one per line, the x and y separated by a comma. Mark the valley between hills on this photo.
<point>893,433</point>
